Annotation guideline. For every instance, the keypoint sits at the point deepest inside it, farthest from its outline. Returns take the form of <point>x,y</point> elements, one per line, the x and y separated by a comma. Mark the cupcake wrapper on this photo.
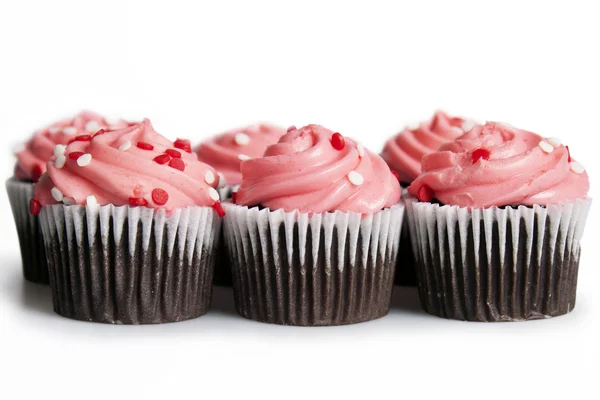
<point>222,267</point>
<point>130,265</point>
<point>497,264</point>
<point>33,254</point>
<point>327,269</point>
<point>405,272</point>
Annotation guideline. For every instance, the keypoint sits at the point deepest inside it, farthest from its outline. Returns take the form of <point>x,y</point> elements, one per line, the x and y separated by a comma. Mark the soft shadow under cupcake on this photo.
<point>36,297</point>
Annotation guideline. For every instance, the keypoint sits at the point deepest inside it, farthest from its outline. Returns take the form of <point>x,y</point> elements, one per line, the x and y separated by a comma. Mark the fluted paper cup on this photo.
<point>130,265</point>
<point>333,268</point>
<point>222,267</point>
<point>405,272</point>
<point>498,264</point>
<point>33,254</point>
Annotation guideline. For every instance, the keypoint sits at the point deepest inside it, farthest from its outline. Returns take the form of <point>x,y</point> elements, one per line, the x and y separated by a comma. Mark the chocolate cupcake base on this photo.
<point>33,253</point>
<point>498,264</point>
<point>326,269</point>
<point>130,265</point>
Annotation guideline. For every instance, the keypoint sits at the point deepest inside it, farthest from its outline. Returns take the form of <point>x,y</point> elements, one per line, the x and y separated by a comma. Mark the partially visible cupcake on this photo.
<point>225,152</point>
<point>403,153</point>
<point>30,165</point>
<point>131,225</point>
<point>313,235</point>
<point>497,225</point>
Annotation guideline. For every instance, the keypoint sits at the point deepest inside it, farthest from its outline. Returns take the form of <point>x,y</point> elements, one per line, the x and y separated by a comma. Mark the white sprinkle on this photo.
<point>467,125</point>
<point>235,189</point>
<point>209,177</point>
<point>555,142</point>
<point>84,160</point>
<point>213,194</point>
<point>241,139</point>
<point>222,181</point>
<point>125,146</point>
<point>577,168</point>
<point>243,157</point>
<point>413,126</point>
<point>355,178</point>
<point>53,130</point>
<point>91,201</point>
<point>57,194</point>
<point>69,130</point>
<point>361,150</point>
<point>546,147</point>
<point>60,161</point>
<point>92,126</point>
<point>59,150</point>
<point>68,201</point>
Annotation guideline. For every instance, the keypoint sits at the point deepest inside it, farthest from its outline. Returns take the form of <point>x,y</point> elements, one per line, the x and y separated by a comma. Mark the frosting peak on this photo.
<point>225,152</point>
<point>132,166</point>
<point>313,169</point>
<point>497,165</point>
<point>31,161</point>
<point>404,152</point>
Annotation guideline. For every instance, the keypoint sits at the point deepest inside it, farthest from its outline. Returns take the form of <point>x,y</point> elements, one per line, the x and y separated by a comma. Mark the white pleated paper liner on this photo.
<point>405,271</point>
<point>130,265</point>
<point>497,264</point>
<point>33,254</point>
<point>325,269</point>
<point>222,267</point>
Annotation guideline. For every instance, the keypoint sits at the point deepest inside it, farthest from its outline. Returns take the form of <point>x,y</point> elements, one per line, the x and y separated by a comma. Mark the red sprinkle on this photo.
<point>145,146</point>
<point>568,153</point>
<point>137,201</point>
<point>34,207</point>
<point>234,197</point>
<point>75,155</point>
<point>177,163</point>
<point>100,132</point>
<point>173,153</point>
<point>480,153</point>
<point>337,141</point>
<point>396,175</point>
<point>36,173</point>
<point>162,158</point>
<point>183,144</point>
<point>160,196</point>
<point>83,138</point>
<point>219,208</point>
<point>291,128</point>
<point>425,194</point>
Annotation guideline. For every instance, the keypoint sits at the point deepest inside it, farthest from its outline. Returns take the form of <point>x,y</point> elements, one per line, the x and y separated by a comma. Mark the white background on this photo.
<point>364,70</point>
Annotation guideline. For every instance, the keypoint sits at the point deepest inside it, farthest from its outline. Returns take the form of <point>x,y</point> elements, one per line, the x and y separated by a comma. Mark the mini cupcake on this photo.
<point>497,226</point>
<point>225,153</point>
<point>131,225</point>
<point>31,164</point>
<point>313,235</point>
<point>403,153</point>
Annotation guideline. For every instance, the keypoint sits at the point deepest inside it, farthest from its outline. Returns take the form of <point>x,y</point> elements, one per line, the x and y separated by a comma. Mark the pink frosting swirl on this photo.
<point>130,166</point>
<point>31,160</point>
<point>313,169</point>
<point>497,165</point>
<point>225,152</point>
<point>404,152</point>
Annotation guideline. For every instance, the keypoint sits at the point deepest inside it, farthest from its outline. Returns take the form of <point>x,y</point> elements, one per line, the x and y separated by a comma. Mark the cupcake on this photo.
<point>30,165</point>
<point>313,235</point>
<point>403,153</point>
<point>131,226</point>
<point>225,153</point>
<point>497,226</point>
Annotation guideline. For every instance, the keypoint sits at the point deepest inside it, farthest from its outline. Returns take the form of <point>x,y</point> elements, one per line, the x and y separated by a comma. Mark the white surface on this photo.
<point>363,70</point>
